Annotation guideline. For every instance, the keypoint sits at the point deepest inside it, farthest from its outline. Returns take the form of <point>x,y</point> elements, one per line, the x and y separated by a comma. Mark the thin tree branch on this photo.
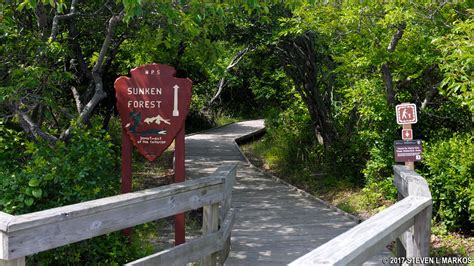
<point>237,58</point>
<point>388,82</point>
<point>42,19</point>
<point>429,96</point>
<point>54,118</point>
<point>30,126</point>
<point>385,68</point>
<point>105,45</point>
<point>57,18</point>
<point>76,48</point>
<point>77,99</point>
<point>396,37</point>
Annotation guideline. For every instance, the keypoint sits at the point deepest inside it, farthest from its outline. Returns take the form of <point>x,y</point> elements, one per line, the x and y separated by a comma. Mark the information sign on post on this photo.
<point>153,105</point>
<point>408,150</point>
<point>404,150</point>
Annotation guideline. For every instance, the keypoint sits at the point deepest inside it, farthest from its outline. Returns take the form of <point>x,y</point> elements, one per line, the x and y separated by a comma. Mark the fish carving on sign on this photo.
<point>153,105</point>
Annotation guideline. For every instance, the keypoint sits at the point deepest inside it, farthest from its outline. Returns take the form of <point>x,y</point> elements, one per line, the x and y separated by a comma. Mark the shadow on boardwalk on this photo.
<point>275,224</point>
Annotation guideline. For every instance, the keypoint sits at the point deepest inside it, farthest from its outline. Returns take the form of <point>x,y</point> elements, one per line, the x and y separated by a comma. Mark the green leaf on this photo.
<point>29,201</point>
<point>22,5</point>
<point>37,193</point>
<point>48,177</point>
<point>34,182</point>
<point>60,7</point>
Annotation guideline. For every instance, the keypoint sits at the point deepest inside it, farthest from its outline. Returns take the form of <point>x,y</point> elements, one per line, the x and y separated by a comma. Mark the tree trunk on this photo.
<point>299,55</point>
<point>385,68</point>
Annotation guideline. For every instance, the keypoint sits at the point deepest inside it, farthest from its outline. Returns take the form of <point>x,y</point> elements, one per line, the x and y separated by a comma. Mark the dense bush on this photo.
<point>56,174</point>
<point>38,175</point>
<point>290,148</point>
<point>449,172</point>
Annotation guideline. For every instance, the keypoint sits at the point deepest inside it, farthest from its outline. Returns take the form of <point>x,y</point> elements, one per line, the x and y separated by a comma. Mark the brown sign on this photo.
<point>407,134</point>
<point>408,150</point>
<point>153,105</point>
<point>406,113</point>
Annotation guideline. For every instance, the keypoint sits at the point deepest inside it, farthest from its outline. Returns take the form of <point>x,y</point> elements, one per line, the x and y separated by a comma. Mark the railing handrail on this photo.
<point>23,235</point>
<point>409,220</point>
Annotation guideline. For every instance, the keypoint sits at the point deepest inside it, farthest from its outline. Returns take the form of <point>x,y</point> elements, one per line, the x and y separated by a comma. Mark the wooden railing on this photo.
<point>27,234</point>
<point>408,222</point>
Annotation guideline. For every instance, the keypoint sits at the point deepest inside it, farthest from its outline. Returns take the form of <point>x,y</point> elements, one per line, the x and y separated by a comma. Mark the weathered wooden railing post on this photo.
<point>224,210</point>
<point>210,224</point>
<point>5,219</point>
<point>400,250</point>
<point>415,242</point>
<point>14,262</point>
<point>422,233</point>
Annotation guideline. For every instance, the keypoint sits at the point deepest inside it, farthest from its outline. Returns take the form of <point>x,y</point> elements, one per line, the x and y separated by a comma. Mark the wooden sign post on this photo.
<point>153,105</point>
<point>406,116</point>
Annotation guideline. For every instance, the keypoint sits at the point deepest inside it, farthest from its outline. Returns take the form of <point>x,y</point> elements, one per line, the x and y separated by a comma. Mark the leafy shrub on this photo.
<point>37,175</point>
<point>12,146</point>
<point>449,172</point>
<point>57,174</point>
<point>290,141</point>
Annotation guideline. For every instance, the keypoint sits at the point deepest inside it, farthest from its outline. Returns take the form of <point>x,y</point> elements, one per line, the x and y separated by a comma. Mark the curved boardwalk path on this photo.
<point>275,224</point>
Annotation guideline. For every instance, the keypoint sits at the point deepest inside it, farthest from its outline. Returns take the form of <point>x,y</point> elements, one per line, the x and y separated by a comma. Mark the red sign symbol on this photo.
<point>406,113</point>
<point>407,134</point>
<point>153,105</point>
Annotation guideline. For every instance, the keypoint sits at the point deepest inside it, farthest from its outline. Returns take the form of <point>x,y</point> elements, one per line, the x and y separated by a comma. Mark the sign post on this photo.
<point>179,223</point>
<point>126,175</point>
<point>406,116</point>
<point>153,105</point>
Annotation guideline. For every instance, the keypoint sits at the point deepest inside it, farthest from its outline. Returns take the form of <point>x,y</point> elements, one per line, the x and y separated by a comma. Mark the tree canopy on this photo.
<point>325,75</point>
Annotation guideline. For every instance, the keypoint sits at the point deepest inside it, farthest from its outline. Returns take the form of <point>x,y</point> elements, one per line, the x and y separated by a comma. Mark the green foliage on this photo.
<point>457,60</point>
<point>288,132</point>
<point>449,171</point>
<point>36,176</point>
<point>49,176</point>
<point>200,39</point>
<point>12,142</point>
<point>358,35</point>
<point>290,149</point>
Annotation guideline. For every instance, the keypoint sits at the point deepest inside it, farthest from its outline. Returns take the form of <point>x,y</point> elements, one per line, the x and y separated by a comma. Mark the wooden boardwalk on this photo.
<point>275,223</point>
